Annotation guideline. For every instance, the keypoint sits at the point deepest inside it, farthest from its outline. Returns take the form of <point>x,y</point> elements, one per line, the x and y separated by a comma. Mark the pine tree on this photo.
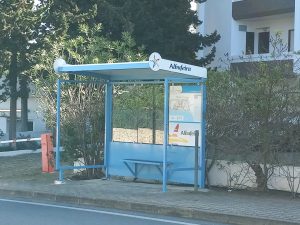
<point>161,26</point>
<point>21,32</point>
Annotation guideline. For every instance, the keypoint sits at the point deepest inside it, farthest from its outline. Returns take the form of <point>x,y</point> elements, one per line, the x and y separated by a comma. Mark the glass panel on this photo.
<point>138,113</point>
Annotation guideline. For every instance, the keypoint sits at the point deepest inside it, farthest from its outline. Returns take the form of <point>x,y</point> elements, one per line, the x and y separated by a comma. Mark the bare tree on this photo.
<point>251,112</point>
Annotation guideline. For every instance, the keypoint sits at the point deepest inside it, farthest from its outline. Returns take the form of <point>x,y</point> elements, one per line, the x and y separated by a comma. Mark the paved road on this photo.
<point>17,212</point>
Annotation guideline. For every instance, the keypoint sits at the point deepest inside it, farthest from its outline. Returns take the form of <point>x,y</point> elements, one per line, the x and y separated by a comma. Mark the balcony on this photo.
<point>289,61</point>
<point>258,8</point>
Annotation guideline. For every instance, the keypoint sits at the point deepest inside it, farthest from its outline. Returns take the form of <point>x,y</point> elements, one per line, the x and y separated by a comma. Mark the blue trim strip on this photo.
<point>133,82</point>
<point>191,89</point>
<point>203,137</point>
<point>82,81</point>
<point>171,80</point>
<point>166,133</point>
<point>184,80</point>
<point>183,169</point>
<point>57,164</point>
<point>174,121</point>
<point>91,74</point>
<point>104,66</point>
<point>81,167</point>
<point>137,82</point>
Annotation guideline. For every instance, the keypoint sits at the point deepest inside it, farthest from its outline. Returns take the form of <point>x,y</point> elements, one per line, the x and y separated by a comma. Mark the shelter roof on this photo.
<point>154,69</point>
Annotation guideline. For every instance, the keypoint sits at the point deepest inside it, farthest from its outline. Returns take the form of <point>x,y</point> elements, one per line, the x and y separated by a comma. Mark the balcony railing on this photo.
<point>263,57</point>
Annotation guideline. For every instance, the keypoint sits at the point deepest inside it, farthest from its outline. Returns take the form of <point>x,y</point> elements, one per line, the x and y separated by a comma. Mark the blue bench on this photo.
<point>132,165</point>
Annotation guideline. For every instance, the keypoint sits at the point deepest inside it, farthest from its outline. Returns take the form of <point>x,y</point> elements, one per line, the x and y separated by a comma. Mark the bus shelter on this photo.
<point>184,115</point>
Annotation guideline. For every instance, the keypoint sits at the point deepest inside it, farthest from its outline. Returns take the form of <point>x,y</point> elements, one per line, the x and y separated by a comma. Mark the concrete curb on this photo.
<point>188,213</point>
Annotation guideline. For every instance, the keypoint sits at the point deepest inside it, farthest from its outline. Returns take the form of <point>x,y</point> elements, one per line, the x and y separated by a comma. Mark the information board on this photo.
<point>185,112</point>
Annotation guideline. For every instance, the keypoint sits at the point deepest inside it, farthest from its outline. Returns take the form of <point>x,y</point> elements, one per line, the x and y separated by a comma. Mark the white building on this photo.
<point>247,26</point>
<point>36,123</point>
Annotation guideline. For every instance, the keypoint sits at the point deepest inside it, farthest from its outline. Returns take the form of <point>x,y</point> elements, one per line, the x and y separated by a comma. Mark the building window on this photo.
<point>30,126</point>
<point>249,43</point>
<point>291,41</point>
<point>263,42</point>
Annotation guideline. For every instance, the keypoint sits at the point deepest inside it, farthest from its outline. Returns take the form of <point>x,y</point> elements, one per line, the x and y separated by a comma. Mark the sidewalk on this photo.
<point>236,207</point>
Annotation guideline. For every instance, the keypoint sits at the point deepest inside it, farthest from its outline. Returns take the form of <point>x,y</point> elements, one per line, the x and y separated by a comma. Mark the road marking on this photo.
<point>99,211</point>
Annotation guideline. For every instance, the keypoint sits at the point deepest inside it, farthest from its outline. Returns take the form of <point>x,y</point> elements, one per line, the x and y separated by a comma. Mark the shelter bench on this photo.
<point>135,162</point>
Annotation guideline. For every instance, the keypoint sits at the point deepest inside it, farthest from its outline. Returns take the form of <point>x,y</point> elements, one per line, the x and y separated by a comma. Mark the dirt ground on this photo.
<point>25,167</point>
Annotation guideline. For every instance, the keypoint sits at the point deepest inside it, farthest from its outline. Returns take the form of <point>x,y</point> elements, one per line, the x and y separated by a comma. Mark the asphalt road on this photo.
<point>23,212</point>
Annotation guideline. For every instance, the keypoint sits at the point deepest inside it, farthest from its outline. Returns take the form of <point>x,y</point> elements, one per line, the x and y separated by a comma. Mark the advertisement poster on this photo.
<point>184,114</point>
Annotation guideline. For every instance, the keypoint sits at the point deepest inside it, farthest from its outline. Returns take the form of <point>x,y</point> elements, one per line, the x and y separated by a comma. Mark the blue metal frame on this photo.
<point>201,83</point>
<point>58,166</point>
<point>90,69</point>
<point>166,133</point>
<point>203,138</point>
<point>108,126</point>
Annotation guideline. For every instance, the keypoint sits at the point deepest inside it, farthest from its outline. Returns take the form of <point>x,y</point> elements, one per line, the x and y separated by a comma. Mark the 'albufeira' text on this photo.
<point>174,66</point>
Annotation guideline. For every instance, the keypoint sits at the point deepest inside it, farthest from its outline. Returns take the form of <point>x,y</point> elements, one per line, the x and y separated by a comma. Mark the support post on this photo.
<point>196,174</point>
<point>297,27</point>
<point>166,133</point>
<point>203,135</point>
<point>108,125</point>
<point>47,153</point>
<point>57,152</point>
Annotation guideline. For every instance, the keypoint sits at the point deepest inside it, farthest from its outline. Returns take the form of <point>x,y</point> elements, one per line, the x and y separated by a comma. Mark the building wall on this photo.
<point>277,24</point>
<point>34,115</point>
<point>217,16</point>
<point>3,124</point>
<point>238,175</point>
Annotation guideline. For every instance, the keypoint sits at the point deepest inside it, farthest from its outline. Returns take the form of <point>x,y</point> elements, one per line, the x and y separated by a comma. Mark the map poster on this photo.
<point>185,111</point>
